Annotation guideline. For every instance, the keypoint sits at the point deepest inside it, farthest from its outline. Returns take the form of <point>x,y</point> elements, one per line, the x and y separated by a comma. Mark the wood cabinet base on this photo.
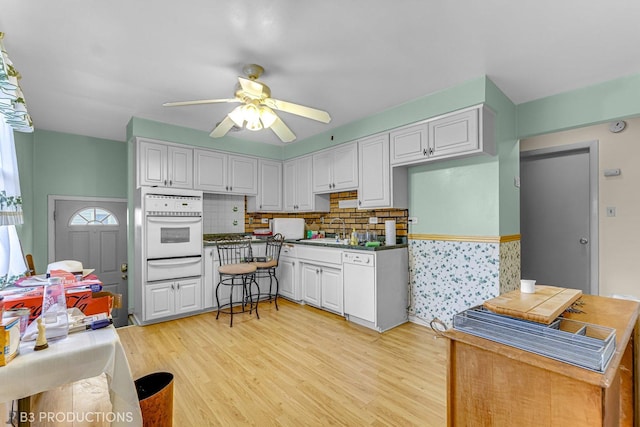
<point>496,385</point>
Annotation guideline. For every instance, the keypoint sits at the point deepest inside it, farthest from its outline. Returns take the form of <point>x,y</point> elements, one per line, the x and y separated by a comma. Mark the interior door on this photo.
<point>94,232</point>
<point>556,218</point>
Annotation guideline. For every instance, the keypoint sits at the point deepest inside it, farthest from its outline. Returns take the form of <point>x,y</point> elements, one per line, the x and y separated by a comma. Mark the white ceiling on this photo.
<point>89,66</point>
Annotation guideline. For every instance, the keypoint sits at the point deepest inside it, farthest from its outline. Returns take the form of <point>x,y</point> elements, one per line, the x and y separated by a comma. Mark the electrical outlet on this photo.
<point>413,220</point>
<point>373,220</point>
<point>265,220</point>
<point>611,211</point>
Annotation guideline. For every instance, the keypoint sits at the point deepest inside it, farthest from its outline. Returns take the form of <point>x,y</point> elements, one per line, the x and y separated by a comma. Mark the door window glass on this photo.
<point>93,216</point>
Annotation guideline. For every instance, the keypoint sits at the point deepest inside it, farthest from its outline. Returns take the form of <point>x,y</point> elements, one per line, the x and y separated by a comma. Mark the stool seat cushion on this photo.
<point>267,264</point>
<point>244,268</point>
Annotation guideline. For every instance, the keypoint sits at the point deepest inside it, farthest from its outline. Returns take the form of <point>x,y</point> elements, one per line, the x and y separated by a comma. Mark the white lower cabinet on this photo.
<point>322,286</point>
<point>321,277</point>
<point>287,273</point>
<point>331,297</point>
<point>169,298</point>
<point>310,275</point>
<point>210,278</point>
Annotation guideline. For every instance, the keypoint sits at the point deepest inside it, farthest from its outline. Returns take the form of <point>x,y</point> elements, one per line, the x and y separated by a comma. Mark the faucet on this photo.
<point>344,232</point>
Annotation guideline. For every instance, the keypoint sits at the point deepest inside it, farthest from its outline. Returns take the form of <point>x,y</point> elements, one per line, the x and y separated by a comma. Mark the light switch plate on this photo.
<point>265,220</point>
<point>373,220</point>
<point>413,220</point>
<point>611,211</point>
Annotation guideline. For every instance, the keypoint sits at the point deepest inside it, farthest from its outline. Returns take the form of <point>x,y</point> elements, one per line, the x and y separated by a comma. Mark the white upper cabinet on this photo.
<point>454,134</point>
<point>409,143</point>
<point>380,185</point>
<point>243,175</point>
<point>462,133</point>
<point>216,172</point>
<point>298,194</point>
<point>374,172</point>
<point>164,165</point>
<point>336,169</point>
<point>269,197</point>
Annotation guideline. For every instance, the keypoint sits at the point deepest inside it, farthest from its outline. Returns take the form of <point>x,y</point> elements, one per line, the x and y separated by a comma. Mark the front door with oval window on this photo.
<point>94,232</point>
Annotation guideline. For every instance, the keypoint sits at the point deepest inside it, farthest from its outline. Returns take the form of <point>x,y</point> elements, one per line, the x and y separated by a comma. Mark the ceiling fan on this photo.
<point>256,111</point>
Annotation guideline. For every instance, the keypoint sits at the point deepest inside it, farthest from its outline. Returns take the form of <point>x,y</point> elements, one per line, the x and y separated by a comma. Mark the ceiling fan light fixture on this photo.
<point>267,116</point>
<point>251,115</point>
<point>237,115</point>
<point>257,110</point>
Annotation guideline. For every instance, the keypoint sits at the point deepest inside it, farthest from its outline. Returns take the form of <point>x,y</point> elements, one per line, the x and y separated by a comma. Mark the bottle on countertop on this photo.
<point>354,238</point>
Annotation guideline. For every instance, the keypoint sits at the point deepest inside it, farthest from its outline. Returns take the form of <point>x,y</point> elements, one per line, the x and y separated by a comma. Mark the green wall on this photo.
<point>69,165</point>
<point>611,100</point>
<point>24,155</point>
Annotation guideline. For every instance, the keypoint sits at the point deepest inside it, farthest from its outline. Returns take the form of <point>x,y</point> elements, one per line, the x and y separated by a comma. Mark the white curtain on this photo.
<point>11,258</point>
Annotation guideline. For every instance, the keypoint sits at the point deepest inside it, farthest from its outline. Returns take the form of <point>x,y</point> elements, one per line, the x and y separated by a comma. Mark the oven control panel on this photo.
<point>163,205</point>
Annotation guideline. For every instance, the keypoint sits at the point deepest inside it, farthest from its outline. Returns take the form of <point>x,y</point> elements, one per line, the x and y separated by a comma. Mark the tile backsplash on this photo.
<point>227,214</point>
<point>353,217</point>
<point>223,214</point>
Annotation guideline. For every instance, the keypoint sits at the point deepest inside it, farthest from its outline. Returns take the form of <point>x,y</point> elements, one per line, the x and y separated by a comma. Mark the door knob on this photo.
<point>125,277</point>
<point>124,267</point>
<point>584,241</point>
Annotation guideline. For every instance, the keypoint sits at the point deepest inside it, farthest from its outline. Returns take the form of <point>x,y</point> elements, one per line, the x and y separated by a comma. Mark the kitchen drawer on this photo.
<point>167,269</point>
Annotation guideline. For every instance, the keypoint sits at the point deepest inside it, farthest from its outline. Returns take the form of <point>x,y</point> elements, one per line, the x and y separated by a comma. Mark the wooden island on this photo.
<point>491,384</point>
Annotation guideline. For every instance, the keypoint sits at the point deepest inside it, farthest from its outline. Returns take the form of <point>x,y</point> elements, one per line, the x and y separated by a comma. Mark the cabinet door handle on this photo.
<point>430,151</point>
<point>230,188</point>
<point>424,152</point>
<point>170,183</point>
<point>165,182</point>
<point>172,287</point>
<point>178,286</point>
<point>359,202</point>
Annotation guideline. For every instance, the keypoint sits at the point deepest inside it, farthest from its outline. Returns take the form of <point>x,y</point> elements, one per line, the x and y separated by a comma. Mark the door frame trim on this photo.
<point>594,245</point>
<point>51,204</point>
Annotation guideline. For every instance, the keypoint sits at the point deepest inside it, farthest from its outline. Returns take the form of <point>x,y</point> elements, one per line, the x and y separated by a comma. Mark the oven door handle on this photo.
<point>176,220</point>
<point>173,262</point>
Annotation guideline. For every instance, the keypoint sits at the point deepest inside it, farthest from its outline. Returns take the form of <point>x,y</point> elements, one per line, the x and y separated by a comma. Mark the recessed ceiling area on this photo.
<point>88,67</point>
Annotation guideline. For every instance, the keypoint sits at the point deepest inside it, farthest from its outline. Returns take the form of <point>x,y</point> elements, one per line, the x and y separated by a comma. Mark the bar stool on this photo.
<point>236,272</point>
<point>267,269</point>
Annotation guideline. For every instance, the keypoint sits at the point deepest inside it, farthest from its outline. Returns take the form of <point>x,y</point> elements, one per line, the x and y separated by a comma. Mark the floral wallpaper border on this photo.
<point>447,277</point>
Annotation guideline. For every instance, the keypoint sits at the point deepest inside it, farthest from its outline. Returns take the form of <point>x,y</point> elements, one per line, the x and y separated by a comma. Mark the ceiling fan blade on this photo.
<point>253,88</point>
<point>299,110</point>
<point>284,133</point>
<point>202,101</point>
<point>222,128</point>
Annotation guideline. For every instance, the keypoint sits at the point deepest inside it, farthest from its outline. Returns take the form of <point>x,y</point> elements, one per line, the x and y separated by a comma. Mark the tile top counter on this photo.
<point>210,240</point>
<point>332,244</point>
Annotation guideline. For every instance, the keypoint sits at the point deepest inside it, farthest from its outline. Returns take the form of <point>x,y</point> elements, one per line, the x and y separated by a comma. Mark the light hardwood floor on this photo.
<point>298,366</point>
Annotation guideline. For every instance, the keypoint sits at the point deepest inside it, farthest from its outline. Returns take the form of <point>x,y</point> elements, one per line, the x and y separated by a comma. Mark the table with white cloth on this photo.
<point>81,355</point>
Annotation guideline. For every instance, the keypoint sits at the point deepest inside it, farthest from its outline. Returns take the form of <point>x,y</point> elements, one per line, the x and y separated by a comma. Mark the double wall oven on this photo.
<point>173,230</point>
<point>169,266</point>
